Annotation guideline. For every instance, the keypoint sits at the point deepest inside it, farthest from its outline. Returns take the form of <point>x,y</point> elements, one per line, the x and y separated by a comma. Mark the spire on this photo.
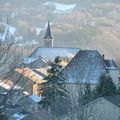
<point>48,34</point>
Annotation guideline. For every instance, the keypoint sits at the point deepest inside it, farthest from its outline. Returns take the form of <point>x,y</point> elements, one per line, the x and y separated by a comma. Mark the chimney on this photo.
<point>103,56</point>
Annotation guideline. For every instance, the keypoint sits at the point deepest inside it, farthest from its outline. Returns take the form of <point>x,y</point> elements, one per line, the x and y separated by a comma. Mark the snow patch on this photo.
<point>26,93</point>
<point>5,85</point>
<point>36,98</point>
<point>29,60</point>
<point>64,7</point>
<point>38,30</point>
<point>61,7</point>
<point>19,116</point>
<point>12,30</point>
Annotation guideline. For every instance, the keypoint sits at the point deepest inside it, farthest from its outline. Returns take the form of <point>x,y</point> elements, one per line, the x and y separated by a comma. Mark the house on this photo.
<point>104,108</point>
<point>32,79</point>
<point>30,103</point>
<point>27,109</point>
<point>80,67</point>
<point>86,67</point>
<point>10,94</point>
<point>83,66</point>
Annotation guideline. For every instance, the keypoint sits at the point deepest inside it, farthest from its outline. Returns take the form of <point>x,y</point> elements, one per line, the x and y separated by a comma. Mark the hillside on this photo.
<point>84,24</point>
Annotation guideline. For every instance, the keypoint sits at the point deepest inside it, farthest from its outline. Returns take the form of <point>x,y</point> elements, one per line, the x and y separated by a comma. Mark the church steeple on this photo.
<point>48,38</point>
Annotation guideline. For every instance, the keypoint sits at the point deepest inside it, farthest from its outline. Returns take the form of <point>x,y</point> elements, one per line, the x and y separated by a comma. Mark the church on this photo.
<point>79,67</point>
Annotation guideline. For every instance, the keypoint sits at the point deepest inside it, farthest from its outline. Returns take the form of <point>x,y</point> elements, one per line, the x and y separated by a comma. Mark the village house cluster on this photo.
<point>78,67</point>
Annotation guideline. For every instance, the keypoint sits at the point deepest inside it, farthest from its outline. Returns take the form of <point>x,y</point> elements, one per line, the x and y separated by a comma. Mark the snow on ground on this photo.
<point>64,7</point>
<point>61,7</point>
<point>19,116</point>
<point>38,30</point>
<point>36,98</point>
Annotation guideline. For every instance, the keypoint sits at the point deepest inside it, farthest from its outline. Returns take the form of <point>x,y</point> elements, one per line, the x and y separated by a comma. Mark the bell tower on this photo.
<point>48,38</point>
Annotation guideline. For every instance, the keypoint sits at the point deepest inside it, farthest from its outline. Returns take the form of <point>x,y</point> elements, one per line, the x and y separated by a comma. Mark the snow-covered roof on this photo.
<point>85,67</point>
<point>31,74</point>
<point>40,62</point>
<point>110,65</point>
<point>8,87</point>
<point>52,53</point>
<point>29,60</point>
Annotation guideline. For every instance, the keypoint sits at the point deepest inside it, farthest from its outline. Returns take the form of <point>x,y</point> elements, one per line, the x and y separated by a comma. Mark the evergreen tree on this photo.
<point>53,88</point>
<point>3,116</point>
<point>105,86</point>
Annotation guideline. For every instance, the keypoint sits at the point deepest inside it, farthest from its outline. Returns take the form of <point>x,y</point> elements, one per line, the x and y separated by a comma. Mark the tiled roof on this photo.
<point>114,100</point>
<point>110,64</point>
<point>86,66</point>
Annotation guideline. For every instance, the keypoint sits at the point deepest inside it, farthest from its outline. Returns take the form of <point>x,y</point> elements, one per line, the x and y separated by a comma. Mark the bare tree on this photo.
<point>9,59</point>
<point>81,108</point>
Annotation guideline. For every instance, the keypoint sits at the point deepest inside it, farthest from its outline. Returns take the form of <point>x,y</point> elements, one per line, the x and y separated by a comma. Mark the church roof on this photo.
<point>86,67</point>
<point>48,34</point>
<point>52,53</point>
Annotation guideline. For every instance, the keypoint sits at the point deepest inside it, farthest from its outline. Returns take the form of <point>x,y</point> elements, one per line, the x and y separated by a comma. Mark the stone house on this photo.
<point>104,108</point>
<point>84,66</point>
